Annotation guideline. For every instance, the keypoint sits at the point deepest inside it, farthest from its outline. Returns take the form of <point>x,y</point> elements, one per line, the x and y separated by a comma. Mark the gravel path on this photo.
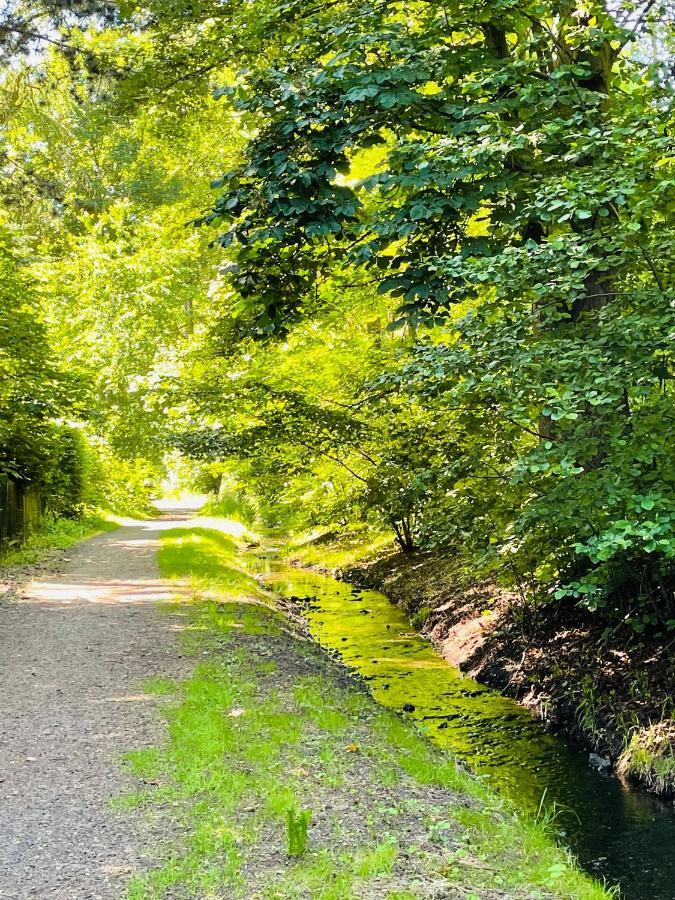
<point>73,650</point>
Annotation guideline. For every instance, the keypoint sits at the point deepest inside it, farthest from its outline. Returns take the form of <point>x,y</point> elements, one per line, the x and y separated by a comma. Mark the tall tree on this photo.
<point>520,197</point>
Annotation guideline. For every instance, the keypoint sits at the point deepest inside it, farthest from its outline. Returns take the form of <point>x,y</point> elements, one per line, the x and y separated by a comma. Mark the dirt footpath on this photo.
<point>73,650</point>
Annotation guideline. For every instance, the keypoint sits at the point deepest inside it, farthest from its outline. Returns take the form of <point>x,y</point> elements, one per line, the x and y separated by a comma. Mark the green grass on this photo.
<point>266,727</point>
<point>55,534</point>
<point>231,505</point>
<point>339,551</point>
<point>649,757</point>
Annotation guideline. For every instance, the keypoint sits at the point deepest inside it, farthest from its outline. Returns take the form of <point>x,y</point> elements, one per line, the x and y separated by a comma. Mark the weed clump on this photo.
<point>649,758</point>
<point>419,618</point>
<point>298,830</point>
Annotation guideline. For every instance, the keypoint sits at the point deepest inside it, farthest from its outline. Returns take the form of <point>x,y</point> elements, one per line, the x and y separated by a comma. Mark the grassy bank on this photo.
<point>272,747</point>
<point>607,686</point>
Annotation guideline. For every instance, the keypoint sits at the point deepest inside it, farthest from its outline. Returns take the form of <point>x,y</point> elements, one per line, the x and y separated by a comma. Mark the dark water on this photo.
<point>617,833</point>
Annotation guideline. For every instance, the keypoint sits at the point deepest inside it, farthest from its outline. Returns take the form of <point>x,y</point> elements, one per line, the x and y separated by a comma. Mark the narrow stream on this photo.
<point>617,833</point>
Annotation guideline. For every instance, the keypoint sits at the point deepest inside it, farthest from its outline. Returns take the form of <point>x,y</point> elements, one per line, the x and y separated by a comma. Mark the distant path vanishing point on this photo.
<point>73,651</point>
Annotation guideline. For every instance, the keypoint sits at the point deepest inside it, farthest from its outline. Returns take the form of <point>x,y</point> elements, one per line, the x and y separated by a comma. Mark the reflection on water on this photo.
<point>625,836</point>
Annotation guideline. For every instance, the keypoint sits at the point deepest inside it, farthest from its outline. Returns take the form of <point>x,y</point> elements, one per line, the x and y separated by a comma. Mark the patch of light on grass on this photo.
<point>227,526</point>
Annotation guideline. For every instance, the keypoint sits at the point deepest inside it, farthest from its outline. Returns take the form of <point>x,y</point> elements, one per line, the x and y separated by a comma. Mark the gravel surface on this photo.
<point>73,649</point>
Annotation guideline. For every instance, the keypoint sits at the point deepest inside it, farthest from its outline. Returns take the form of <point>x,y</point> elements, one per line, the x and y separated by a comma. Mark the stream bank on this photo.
<point>610,690</point>
<point>620,835</point>
<point>269,725</point>
<point>624,836</point>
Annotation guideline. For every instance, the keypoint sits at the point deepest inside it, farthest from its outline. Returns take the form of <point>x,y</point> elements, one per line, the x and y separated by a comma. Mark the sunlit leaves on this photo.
<point>523,181</point>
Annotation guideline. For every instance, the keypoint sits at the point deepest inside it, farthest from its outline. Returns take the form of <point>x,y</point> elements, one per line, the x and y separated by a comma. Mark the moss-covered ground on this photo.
<point>603,684</point>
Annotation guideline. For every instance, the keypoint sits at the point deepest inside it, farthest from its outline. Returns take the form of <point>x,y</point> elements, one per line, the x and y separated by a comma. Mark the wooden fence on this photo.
<point>20,512</point>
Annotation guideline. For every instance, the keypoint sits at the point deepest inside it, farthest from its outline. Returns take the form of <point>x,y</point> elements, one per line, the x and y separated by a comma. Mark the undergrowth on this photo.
<point>649,757</point>
<point>338,551</point>
<point>55,534</point>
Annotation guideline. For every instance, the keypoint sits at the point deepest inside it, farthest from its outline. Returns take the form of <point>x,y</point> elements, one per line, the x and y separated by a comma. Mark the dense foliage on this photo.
<point>107,274</point>
<point>432,292</point>
<point>504,171</point>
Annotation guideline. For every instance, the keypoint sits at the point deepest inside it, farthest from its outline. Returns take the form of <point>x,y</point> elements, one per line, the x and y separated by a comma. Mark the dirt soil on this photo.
<point>76,644</point>
<point>594,683</point>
